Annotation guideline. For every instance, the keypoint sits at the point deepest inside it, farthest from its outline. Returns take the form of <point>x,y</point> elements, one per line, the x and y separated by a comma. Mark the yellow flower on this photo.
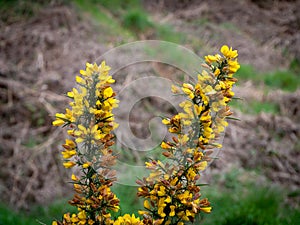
<point>161,206</point>
<point>165,145</point>
<point>82,215</point>
<point>217,72</point>
<point>212,58</point>
<point>198,109</point>
<point>188,213</point>
<point>183,139</point>
<point>69,164</point>
<point>174,181</point>
<point>143,212</point>
<point>161,191</point>
<point>108,92</point>
<point>71,132</point>
<point>186,104</point>
<point>58,122</point>
<point>69,145</point>
<point>233,65</point>
<point>206,209</point>
<point>148,164</point>
<point>127,220</point>
<point>86,72</point>
<point>208,89</point>
<point>74,178</point>
<point>158,222</point>
<point>175,124</point>
<point>166,121</point>
<point>74,218</point>
<point>172,212</point>
<point>80,80</point>
<point>191,174</point>
<point>147,204</point>
<point>168,199</point>
<point>62,118</point>
<point>86,165</point>
<point>175,89</point>
<point>188,89</point>
<point>228,52</point>
<point>184,196</point>
<point>90,222</point>
<point>202,165</point>
<point>68,153</point>
<point>67,217</point>
<point>84,133</point>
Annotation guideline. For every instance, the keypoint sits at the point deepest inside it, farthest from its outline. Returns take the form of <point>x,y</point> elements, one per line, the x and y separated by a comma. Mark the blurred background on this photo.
<point>43,45</point>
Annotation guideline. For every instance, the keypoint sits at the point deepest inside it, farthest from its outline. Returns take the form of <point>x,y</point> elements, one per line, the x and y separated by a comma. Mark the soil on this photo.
<point>40,55</point>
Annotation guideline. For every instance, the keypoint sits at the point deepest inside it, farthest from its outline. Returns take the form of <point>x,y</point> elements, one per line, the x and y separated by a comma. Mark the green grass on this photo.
<point>37,215</point>
<point>118,5</point>
<point>286,80</point>
<point>127,19</point>
<point>137,21</point>
<point>255,107</point>
<point>129,202</point>
<point>247,72</point>
<point>167,33</point>
<point>295,65</point>
<point>239,201</point>
<point>250,205</point>
<point>7,217</point>
<point>110,26</point>
<point>45,215</point>
<point>135,18</point>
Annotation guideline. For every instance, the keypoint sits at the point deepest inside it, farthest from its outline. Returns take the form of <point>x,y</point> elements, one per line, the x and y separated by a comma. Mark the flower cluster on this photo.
<point>171,191</point>
<point>90,121</point>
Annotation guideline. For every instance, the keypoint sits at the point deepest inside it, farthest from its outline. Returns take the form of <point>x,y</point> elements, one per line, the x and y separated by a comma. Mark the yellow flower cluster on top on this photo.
<point>90,121</point>
<point>171,191</point>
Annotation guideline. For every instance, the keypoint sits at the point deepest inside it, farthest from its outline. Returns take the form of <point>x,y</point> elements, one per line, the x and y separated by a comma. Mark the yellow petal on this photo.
<point>202,165</point>
<point>147,204</point>
<point>83,72</point>
<point>86,165</point>
<point>175,89</point>
<point>69,164</point>
<point>80,80</point>
<point>164,145</point>
<point>108,92</point>
<point>68,154</point>
<point>206,209</point>
<point>58,122</point>
<point>79,140</point>
<point>74,178</point>
<point>224,50</point>
<point>166,121</point>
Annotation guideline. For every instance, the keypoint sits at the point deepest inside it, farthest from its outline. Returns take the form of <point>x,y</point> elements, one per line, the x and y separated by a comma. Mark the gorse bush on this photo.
<point>171,192</point>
